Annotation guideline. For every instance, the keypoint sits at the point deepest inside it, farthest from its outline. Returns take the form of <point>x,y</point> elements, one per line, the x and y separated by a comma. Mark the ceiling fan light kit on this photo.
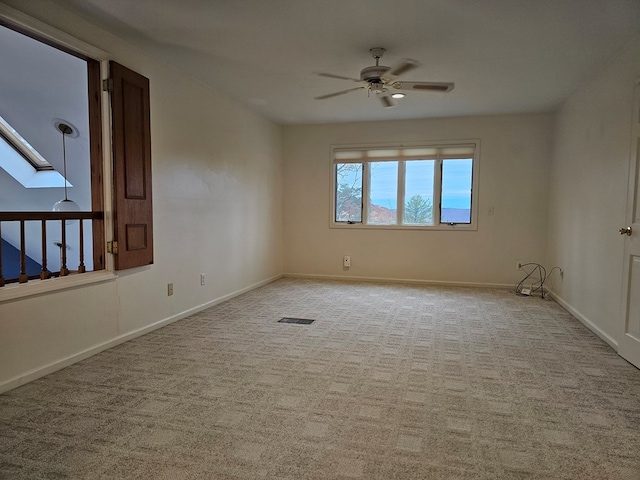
<point>379,79</point>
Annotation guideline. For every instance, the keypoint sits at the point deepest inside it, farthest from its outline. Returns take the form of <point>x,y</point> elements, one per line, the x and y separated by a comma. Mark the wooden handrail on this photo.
<point>44,217</point>
<point>48,215</point>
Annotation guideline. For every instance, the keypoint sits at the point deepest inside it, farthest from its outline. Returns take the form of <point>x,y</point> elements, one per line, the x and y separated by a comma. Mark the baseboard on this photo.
<point>584,320</point>
<point>77,357</point>
<point>442,283</point>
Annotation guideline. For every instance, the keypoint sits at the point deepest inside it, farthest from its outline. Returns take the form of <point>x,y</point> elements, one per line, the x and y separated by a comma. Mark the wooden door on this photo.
<point>133,213</point>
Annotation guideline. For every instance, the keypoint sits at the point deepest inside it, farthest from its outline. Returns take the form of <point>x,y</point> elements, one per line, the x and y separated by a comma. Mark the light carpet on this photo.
<point>390,382</point>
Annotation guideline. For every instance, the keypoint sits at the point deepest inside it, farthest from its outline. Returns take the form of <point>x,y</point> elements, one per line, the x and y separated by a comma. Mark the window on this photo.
<point>46,81</point>
<point>426,186</point>
<point>126,160</point>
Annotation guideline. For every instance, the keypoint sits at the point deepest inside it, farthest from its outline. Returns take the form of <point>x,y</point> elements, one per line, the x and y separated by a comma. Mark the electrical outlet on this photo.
<point>346,261</point>
<point>519,265</point>
<point>203,280</point>
<point>169,289</point>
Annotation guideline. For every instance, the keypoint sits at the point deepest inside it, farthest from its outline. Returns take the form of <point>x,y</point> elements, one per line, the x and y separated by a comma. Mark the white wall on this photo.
<point>217,183</point>
<point>514,164</point>
<point>588,193</point>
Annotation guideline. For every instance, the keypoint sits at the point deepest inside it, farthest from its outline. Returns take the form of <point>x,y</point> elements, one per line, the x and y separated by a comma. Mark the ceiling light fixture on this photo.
<point>398,95</point>
<point>65,205</point>
<point>377,87</point>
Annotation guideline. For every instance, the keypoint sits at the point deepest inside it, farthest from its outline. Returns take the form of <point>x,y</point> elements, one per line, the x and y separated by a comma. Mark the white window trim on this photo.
<point>473,226</point>
<point>32,288</point>
<point>40,29</point>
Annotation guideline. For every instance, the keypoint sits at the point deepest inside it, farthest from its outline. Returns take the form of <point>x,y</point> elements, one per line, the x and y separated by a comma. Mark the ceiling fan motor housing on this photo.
<point>373,74</point>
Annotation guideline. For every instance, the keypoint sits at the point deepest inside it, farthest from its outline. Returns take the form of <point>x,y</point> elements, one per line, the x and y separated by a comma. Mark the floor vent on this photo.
<point>299,321</point>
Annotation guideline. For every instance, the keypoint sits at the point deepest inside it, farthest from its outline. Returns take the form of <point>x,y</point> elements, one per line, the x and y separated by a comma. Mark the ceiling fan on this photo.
<point>383,81</point>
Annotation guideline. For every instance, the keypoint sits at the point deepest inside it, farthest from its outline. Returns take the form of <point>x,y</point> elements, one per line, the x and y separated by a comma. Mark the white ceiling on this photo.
<point>505,56</point>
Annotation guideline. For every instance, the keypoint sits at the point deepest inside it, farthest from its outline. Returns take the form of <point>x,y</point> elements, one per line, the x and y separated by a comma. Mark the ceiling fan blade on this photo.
<point>329,95</point>
<point>428,86</point>
<point>339,77</point>
<point>387,101</point>
<point>405,65</point>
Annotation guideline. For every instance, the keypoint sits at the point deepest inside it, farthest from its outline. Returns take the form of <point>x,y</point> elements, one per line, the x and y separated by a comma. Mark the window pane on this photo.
<point>348,192</point>
<point>456,190</point>
<point>383,193</point>
<point>418,193</point>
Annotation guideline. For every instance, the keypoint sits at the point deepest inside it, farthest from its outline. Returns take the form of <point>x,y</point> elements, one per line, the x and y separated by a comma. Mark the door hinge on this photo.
<point>107,85</point>
<point>112,247</point>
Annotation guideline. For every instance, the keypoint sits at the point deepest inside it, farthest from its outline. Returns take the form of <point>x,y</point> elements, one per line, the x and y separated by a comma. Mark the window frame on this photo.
<point>100,145</point>
<point>437,226</point>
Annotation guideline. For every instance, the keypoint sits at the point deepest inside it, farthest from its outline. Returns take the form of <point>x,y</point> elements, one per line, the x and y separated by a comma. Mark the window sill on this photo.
<point>39,287</point>
<point>435,228</point>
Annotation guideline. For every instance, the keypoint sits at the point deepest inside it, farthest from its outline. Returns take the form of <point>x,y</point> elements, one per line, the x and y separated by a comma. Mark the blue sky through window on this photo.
<point>419,179</point>
<point>456,182</point>
<point>384,184</point>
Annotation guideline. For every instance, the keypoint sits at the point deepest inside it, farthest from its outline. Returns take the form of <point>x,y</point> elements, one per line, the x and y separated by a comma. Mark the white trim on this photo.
<point>413,281</point>
<point>39,372</point>
<point>44,31</point>
<point>14,291</point>
<point>107,170</point>
<point>400,189</point>
<point>584,320</point>
<point>441,227</point>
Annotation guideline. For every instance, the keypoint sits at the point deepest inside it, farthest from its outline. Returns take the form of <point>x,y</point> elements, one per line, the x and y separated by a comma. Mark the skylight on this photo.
<point>23,162</point>
<point>24,148</point>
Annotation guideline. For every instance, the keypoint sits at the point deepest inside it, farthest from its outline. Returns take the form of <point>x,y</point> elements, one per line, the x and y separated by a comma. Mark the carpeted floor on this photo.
<point>389,382</point>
